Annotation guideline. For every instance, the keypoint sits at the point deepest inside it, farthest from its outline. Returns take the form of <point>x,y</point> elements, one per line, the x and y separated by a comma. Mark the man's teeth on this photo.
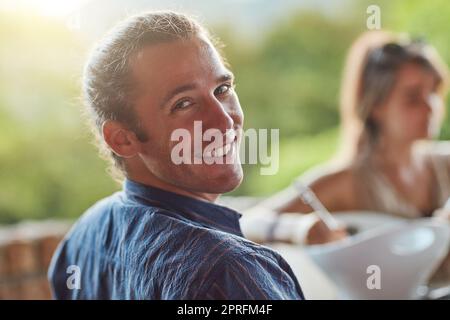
<point>219,152</point>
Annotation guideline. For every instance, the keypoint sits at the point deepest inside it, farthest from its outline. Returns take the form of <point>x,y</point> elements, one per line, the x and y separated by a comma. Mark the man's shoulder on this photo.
<point>116,213</point>
<point>115,205</point>
<point>119,217</point>
<point>219,251</point>
<point>241,269</point>
<point>111,219</point>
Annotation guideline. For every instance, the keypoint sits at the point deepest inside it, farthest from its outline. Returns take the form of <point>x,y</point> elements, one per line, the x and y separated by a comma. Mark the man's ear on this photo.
<point>120,139</point>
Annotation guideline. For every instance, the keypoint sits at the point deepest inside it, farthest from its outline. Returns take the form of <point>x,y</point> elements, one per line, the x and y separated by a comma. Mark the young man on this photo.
<point>162,236</point>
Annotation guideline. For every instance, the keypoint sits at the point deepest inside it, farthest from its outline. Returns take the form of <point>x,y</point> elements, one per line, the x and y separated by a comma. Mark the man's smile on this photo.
<point>217,150</point>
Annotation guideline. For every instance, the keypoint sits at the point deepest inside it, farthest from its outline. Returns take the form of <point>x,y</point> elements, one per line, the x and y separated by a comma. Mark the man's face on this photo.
<point>178,83</point>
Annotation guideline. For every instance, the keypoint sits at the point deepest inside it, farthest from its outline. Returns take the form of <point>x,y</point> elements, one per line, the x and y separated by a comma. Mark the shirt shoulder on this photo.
<point>206,263</point>
<point>162,255</point>
<point>243,270</point>
<point>251,276</point>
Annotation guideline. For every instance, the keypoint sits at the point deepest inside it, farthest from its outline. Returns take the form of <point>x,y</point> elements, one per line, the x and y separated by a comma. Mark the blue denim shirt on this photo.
<point>147,243</point>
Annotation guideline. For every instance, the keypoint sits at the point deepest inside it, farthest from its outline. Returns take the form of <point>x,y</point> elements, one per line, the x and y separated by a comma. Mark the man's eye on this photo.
<point>182,104</point>
<point>222,89</point>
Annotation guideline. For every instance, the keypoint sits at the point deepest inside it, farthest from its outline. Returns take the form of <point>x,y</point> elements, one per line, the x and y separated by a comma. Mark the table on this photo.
<point>314,282</point>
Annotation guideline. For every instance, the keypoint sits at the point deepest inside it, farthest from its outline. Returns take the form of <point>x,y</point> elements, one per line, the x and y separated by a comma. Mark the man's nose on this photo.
<point>218,115</point>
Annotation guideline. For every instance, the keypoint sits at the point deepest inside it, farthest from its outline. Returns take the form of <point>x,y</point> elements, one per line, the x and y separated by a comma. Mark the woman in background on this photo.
<point>392,98</point>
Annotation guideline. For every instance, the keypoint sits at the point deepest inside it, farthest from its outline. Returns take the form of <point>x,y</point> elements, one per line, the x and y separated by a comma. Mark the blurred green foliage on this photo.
<point>287,79</point>
<point>48,167</point>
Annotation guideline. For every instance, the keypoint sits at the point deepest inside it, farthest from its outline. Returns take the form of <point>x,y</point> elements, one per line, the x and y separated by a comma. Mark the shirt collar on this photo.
<point>205,213</point>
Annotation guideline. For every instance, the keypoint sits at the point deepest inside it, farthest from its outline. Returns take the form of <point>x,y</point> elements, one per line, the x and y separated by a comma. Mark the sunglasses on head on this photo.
<point>394,51</point>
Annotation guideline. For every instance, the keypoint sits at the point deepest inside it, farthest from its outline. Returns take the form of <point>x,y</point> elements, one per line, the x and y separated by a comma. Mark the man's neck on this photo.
<point>152,181</point>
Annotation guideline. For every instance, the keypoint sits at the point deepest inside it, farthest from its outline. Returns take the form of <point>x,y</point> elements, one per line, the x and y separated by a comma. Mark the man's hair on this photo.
<point>107,82</point>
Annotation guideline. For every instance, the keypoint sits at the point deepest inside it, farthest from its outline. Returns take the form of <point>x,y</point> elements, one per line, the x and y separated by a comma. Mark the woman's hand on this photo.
<point>319,233</point>
<point>261,225</point>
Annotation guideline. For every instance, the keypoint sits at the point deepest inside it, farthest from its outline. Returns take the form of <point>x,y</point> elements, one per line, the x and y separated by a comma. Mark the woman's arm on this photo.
<point>334,189</point>
<point>277,218</point>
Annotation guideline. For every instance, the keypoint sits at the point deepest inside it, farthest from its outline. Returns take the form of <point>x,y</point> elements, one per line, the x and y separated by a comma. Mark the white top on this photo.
<point>382,196</point>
